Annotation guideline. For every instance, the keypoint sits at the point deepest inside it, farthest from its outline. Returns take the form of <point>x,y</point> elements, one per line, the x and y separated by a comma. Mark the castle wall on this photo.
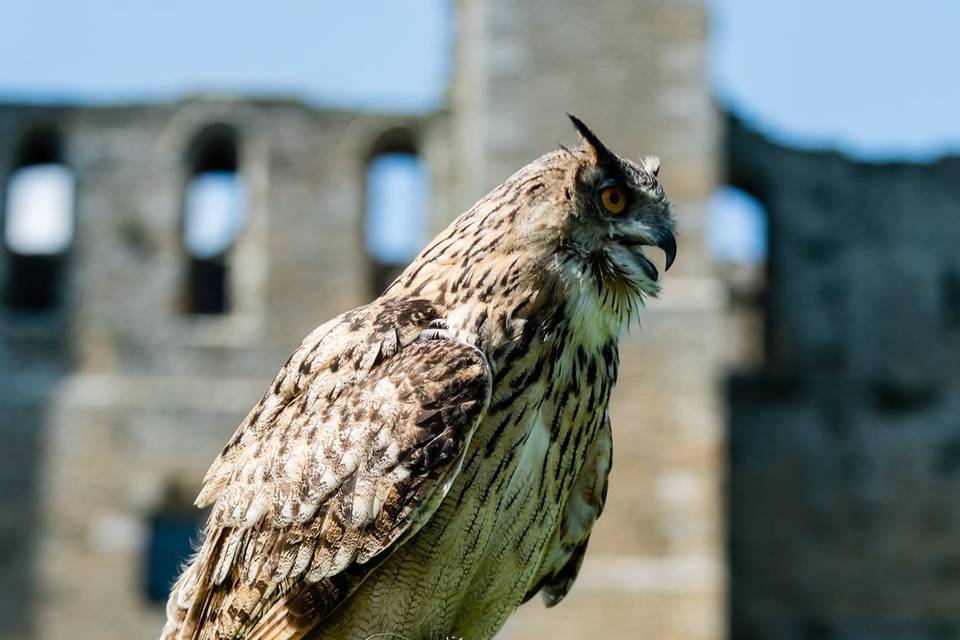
<point>119,400</point>
<point>843,467</point>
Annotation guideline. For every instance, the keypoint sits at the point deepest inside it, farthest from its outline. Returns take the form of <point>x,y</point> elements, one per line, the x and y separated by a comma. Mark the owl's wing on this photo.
<point>349,453</point>
<point>584,506</point>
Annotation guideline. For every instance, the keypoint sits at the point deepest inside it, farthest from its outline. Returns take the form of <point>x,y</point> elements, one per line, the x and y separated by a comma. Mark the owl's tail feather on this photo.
<point>252,606</point>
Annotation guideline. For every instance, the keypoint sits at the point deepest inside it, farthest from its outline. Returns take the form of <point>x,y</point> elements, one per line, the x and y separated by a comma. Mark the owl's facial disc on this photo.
<point>619,208</point>
<point>635,216</point>
<point>631,209</point>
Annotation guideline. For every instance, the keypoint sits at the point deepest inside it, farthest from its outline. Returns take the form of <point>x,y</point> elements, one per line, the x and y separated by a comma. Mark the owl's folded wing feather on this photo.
<point>321,484</point>
<point>585,504</point>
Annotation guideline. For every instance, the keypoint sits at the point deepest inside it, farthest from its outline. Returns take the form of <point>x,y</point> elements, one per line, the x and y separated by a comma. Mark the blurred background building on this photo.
<point>787,457</point>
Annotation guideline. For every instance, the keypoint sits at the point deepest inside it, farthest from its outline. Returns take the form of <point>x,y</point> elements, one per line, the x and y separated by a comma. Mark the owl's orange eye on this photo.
<point>614,199</point>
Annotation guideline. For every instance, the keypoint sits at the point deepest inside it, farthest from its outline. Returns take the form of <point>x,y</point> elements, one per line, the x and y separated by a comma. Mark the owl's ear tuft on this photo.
<point>650,164</point>
<point>597,150</point>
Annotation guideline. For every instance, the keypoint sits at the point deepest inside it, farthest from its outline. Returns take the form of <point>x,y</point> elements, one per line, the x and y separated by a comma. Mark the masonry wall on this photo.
<point>117,401</point>
<point>844,471</point>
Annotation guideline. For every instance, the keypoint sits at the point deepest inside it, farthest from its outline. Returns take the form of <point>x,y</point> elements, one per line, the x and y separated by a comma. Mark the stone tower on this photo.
<point>635,72</point>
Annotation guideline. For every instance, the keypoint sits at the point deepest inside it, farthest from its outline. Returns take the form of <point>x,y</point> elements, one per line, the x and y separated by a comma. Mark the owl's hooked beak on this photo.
<point>668,244</point>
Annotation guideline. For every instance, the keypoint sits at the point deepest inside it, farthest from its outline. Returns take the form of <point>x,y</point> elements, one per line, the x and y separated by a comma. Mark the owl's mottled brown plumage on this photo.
<point>423,464</point>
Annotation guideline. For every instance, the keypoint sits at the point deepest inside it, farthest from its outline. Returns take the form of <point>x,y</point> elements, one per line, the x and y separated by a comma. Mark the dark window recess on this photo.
<point>214,149</point>
<point>33,282</point>
<point>40,146</point>
<point>33,279</point>
<point>172,540</point>
<point>212,162</point>
<point>208,286</point>
<point>950,286</point>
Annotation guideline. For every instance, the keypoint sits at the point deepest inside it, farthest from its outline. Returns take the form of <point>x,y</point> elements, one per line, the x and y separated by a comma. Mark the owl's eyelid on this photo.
<point>606,183</point>
<point>636,194</point>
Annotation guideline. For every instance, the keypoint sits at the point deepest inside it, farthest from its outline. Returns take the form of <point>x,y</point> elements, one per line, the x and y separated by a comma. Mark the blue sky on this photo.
<point>875,78</point>
<point>391,54</point>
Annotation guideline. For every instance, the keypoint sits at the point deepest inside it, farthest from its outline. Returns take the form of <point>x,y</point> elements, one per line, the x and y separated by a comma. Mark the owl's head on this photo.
<point>618,207</point>
<point>570,227</point>
<point>594,222</point>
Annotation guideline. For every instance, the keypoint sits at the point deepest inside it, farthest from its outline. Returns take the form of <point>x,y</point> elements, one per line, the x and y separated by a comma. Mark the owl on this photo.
<point>425,463</point>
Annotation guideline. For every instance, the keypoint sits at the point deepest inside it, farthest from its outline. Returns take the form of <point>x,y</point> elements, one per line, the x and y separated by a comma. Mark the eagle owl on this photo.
<point>423,464</point>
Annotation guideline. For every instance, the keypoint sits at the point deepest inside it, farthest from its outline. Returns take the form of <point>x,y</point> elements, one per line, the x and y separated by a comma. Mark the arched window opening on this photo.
<point>38,223</point>
<point>214,212</point>
<point>736,227</point>
<point>737,236</point>
<point>396,220</point>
